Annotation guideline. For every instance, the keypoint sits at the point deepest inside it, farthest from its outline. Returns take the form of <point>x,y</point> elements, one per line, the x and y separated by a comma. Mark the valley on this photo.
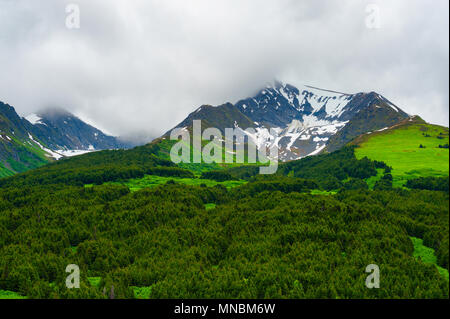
<point>360,183</point>
<point>224,159</point>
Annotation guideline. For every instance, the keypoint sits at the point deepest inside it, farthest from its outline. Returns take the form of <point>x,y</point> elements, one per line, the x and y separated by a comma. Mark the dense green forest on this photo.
<point>430,183</point>
<point>267,237</point>
<point>100,167</point>
<point>270,245</point>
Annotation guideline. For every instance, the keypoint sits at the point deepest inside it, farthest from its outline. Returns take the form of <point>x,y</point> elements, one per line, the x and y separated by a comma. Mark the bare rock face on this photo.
<point>307,120</point>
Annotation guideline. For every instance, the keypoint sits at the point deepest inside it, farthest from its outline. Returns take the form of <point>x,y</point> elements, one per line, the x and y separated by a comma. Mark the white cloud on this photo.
<point>142,66</point>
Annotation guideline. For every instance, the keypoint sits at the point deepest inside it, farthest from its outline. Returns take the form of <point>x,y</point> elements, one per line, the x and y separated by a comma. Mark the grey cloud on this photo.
<point>139,67</point>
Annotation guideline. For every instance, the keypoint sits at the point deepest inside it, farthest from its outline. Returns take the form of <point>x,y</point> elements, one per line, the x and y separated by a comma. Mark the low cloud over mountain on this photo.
<point>141,66</point>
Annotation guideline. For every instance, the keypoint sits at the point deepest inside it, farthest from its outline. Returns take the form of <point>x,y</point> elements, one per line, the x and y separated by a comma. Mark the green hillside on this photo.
<point>427,255</point>
<point>152,229</point>
<point>18,153</point>
<point>412,148</point>
<point>4,172</point>
<point>150,181</point>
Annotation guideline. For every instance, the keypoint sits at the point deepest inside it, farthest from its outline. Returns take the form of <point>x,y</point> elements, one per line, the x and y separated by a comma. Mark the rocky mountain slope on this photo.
<point>307,120</point>
<point>62,131</point>
<point>30,142</point>
<point>18,149</point>
<point>412,147</point>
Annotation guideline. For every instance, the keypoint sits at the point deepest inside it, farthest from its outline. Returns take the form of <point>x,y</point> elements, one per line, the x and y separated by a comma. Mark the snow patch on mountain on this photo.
<point>306,117</point>
<point>333,102</point>
<point>34,119</point>
<point>318,150</point>
<point>70,153</point>
<point>51,153</point>
<point>261,138</point>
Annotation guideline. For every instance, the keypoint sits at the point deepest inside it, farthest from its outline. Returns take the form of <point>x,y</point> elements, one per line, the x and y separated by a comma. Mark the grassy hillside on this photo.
<point>99,167</point>
<point>377,115</point>
<point>4,172</point>
<point>410,148</point>
<point>427,255</point>
<point>5,294</point>
<point>150,181</point>
<point>18,153</point>
<point>266,238</point>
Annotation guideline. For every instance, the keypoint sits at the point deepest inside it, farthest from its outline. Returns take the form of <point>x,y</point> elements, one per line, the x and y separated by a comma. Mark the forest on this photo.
<point>308,231</point>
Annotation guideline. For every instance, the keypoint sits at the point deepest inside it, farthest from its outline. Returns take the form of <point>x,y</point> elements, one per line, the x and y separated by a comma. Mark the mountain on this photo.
<point>308,120</point>
<point>30,142</point>
<point>379,113</point>
<point>19,151</point>
<point>412,147</point>
<point>62,131</point>
<point>221,117</point>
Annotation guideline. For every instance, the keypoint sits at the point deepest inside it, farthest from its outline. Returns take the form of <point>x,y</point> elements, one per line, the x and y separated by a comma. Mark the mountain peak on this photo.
<point>44,136</point>
<point>308,118</point>
<point>279,104</point>
<point>53,112</point>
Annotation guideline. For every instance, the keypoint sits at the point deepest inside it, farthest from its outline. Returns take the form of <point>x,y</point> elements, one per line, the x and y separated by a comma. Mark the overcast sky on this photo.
<point>139,67</point>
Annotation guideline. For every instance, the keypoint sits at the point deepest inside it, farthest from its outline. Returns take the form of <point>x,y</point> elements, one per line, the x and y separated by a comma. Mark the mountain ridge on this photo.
<point>308,120</point>
<point>61,130</point>
<point>35,140</point>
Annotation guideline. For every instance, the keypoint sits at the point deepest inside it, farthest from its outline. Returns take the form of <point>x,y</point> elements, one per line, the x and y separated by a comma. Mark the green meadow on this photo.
<point>427,255</point>
<point>371,181</point>
<point>322,192</point>
<point>94,281</point>
<point>142,292</point>
<point>401,149</point>
<point>4,172</point>
<point>150,181</point>
<point>210,206</point>
<point>5,294</point>
<point>31,156</point>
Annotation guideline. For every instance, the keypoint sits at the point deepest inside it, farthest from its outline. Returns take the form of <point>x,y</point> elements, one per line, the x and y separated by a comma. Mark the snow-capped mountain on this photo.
<point>307,119</point>
<point>64,132</point>
<point>279,104</point>
<point>33,141</point>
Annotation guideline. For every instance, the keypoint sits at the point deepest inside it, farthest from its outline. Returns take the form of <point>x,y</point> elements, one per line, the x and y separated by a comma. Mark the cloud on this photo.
<point>137,68</point>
